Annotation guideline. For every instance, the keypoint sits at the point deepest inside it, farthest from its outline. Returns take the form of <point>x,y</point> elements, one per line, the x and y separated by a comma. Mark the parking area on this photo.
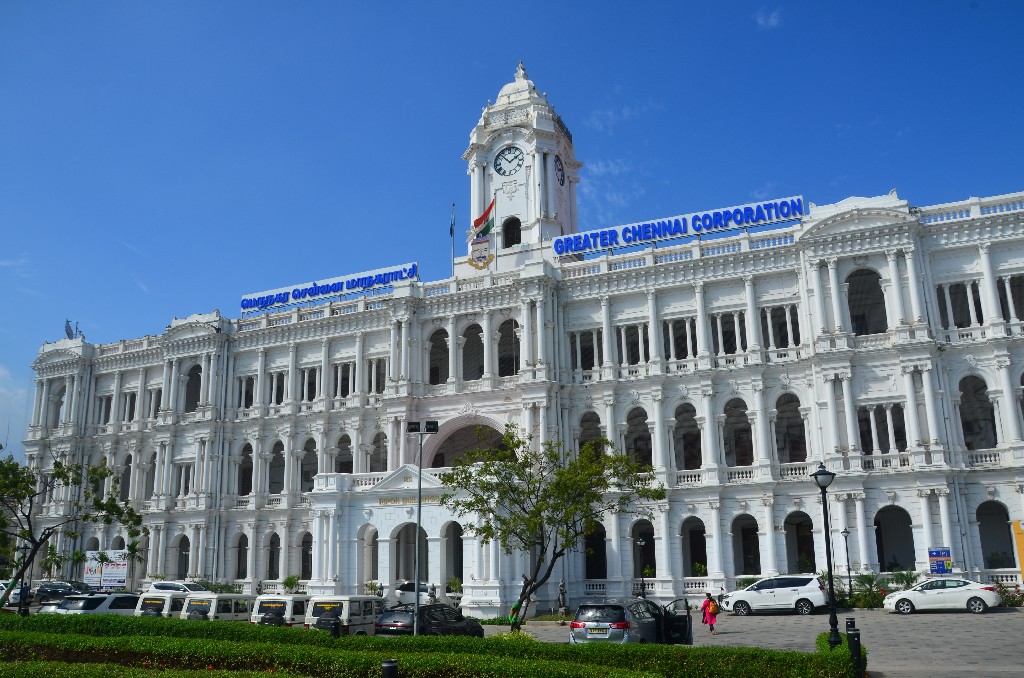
<point>932,644</point>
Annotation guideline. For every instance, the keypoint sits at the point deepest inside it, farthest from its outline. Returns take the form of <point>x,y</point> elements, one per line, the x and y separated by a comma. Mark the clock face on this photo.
<point>559,171</point>
<point>508,161</point>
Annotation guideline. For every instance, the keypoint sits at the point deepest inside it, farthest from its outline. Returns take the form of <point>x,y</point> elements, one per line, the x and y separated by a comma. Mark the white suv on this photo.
<point>800,592</point>
<point>99,603</point>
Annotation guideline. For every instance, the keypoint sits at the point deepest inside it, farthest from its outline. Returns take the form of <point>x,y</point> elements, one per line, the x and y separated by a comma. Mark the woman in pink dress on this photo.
<point>710,609</point>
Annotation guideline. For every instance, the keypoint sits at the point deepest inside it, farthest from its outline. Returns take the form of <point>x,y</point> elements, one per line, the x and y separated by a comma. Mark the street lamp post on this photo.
<point>823,478</point>
<point>849,576</point>
<point>414,427</point>
<point>23,598</point>
<point>640,545</point>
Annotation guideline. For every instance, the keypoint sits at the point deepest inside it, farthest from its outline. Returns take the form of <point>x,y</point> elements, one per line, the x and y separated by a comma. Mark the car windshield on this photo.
<point>154,604</point>
<point>330,608</point>
<point>601,613</point>
<point>395,617</point>
<point>200,605</point>
<point>81,603</point>
<point>272,607</point>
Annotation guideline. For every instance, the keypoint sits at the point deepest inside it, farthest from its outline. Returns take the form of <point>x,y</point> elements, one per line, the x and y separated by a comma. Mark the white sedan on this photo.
<point>943,594</point>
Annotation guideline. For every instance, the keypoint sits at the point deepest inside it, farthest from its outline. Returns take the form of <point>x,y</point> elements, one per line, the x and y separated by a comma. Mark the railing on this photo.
<point>243,502</point>
<point>345,310</point>
<point>275,502</point>
<point>718,250</point>
<point>796,470</point>
<point>311,315</point>
<point>437,290</point>
<point>731,360</point>
<point>672,256</point>
<point>773,241</point>
<point>688,478</point>
<point>625,264</point>
<point>966,334</point>
<point>983,458</point>
<point>508,382</point>
<point>597,589</point>
<point>682,365</point>
<point>870,341</point>
<point>634,371</point>
<point>368,480</point>
<point>975,207</point>
<point>1008,576</point>
<point>783,355</point>
<point>739,475</point>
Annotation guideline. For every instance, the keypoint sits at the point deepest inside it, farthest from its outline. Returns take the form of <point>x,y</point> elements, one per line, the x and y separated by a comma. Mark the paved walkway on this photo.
<point>925,644</point>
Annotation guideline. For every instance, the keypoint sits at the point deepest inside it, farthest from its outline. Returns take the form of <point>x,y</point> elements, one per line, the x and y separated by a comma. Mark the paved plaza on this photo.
<point>932,644</point>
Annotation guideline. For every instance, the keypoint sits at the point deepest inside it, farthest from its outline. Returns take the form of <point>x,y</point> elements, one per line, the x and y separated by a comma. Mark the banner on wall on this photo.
<point>112,574</point>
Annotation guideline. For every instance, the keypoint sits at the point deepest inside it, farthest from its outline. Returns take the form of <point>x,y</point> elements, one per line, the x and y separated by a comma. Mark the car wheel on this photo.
<point>976,605</point>
<point>904,606</point>
<point>804,606</point>
<point>741,609</point>
<point>44,600</point>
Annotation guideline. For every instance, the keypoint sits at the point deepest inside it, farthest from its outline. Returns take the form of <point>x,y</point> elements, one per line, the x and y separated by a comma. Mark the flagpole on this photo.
<point>497,247</point>
<point>452,233</point>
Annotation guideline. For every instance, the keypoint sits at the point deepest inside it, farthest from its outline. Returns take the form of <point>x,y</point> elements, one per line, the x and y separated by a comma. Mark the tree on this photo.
<point>52,561</point>
<point>540,501</point>
<point>133,554</point>
<point>92,499</point>
<point>77,560</point>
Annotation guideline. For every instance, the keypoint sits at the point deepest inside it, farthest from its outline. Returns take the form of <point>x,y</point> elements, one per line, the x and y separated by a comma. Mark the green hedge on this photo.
<point>239,646</point>
<point>40,669</point>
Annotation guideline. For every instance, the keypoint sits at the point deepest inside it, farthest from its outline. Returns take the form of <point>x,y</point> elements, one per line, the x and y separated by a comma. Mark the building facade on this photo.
<point>882,339</point>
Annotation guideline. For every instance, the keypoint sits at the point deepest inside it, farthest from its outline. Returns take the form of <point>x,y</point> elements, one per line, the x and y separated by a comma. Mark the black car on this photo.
<point>435,620</point>
<point>49,591</point>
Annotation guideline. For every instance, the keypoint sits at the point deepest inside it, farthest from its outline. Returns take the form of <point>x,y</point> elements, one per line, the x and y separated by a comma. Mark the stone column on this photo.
<point>204,379</point>
<point>862,532</point>
<point>947,533</point>
<point>715,570</point>
<point>325,373</point>
<point>916,302</point>
<point>763,442</point>
<point>702,321</point>
<point>989,292</point>
<point>897,288</point>
<point>710,449</point>
<point>820,327</point>
<point>487,340</point>
<point>542,330</point>
<point>768,502</point>
<point>527,341</point>
<point>654,332</point>
<point>753,317</point>
<point>607,367</point>
<point>1011,411</point>
<point>832,415</point>
<point>661,455</point>
<point>913,423</point>
<point>933,433</point>
<point>833,280</point>
<point>875,446</point>
<point>259,398</point>
<point>358,379</point>
<point>926,522</point>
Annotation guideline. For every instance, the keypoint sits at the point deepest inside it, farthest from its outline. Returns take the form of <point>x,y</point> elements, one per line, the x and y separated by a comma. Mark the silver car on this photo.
<point>628,620</point>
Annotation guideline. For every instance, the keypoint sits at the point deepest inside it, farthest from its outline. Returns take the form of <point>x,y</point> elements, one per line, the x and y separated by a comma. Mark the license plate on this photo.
<point>598,632</point>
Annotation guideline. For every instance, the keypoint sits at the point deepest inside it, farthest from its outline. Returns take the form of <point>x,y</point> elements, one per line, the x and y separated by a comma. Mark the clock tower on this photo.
<point>521,157</point>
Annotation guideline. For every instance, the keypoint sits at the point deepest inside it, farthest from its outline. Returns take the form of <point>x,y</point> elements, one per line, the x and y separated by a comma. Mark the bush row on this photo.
<point>423,657</point>
<point>41,669</point>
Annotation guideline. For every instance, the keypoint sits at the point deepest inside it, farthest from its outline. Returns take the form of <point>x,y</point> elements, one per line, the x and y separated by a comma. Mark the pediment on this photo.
<point>404,478</point>
<point>55,357</point>
<point>189,330</point>
<point>861,219</point>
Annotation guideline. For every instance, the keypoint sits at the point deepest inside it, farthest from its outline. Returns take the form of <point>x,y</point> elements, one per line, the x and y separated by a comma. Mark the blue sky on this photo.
<point>159,159</point>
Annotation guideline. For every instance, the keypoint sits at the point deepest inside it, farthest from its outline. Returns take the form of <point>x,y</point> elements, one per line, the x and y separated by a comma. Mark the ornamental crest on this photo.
<point>480,255</point>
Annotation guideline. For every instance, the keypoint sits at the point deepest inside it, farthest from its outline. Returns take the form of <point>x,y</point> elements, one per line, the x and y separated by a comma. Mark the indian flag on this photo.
<point>485,222</point>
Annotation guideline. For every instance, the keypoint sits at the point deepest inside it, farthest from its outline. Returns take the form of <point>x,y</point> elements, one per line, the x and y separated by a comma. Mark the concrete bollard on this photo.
<point>853,640</point>
<point>389,668</point>
<point>851,624</point>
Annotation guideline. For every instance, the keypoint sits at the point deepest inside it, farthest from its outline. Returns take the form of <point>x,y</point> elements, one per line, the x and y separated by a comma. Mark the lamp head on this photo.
<point>431,427</point>
<point>823,477</point>
<point>845,532</point>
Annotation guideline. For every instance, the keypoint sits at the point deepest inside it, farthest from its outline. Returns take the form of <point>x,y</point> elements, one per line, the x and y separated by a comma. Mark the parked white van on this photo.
<point>223,606</point>
<point>356,613</point>
<point>279,609</point>
<point>183,586</point>
<point>160,604</point>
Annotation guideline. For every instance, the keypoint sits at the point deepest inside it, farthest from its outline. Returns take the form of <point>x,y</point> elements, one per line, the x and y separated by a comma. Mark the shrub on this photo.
<point>1010,597</point>
<point>744,582</point>
<point>904,578</point>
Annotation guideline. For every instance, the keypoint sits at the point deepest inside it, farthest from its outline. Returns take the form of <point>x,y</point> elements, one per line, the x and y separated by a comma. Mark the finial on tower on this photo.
<point>520,72</point>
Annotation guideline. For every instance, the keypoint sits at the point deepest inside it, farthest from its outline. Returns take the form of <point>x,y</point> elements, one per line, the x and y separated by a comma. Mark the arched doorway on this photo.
<point>790,437</point>
<point>343,460</point>
<point>274,557</point>
<point>996,537</point>
<point>437,367</point>
<point>746,550</point>
<point>508,349</point>
<point>242,557</point>
<point>463,440</point>
<point>275,470</point>
<point>645,559</point>
<point>181,561</point>
<point>694,544</point>
<point>977,415</point>
<point>894,539</point>
<point>472,353</point>
<point>596,554</point>
<point>308,467</point>
<point>800,543</point>
<point>638,437</point>
<point>452,558</point>
<point>195,377</point>
<point>379,454</point>
<point>306,557</point>
<point>590,430</point>
<point>244,478</point>
<point>738,437</point>
<point>686,439</point>
<point>867,303</point>
<point>405,553</point>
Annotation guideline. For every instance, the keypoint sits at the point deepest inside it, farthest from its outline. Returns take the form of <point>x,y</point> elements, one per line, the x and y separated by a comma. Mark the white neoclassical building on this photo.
<point>883,339</point>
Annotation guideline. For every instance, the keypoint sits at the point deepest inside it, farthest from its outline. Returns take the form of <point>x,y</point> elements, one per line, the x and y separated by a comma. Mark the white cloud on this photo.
<point>15,410</point>
<point>601,168</point>
<point>20,262</point>
<point>606,119</point>
<point>766,190</point>
<point>766,20</point>
<point>141,284</point>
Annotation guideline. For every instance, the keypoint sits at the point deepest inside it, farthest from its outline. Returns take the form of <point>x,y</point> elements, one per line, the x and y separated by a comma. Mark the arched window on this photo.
<point>273,557</point>
<point>242,557</point>
<point>306,557</point>
<point>467,438</point>
<point>739,444</point>
<point>867,303</point>
<point>977,415</point>
<point>275,472</point>
<point>438,367</point>
<point>245,471</point>
<point>790,436</point>
<point>195,377</point>
<point>125,485</point>
<point>308,467</point>
<point>590,429</point>
<point>686,440</point>
<point>694,544</point>
<point>343,460</point>
<point>508,349</point>
<point>472,353</point>
<point>645,559</point>
<point>638,437</point>
<point>181,569</point>
<point>379,454</point>
<point>800,542</point>
<point>996,538</point>
<point>511,232</point>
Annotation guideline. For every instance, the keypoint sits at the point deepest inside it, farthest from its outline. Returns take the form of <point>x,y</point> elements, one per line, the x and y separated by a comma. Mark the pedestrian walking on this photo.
<point>710,609</point>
